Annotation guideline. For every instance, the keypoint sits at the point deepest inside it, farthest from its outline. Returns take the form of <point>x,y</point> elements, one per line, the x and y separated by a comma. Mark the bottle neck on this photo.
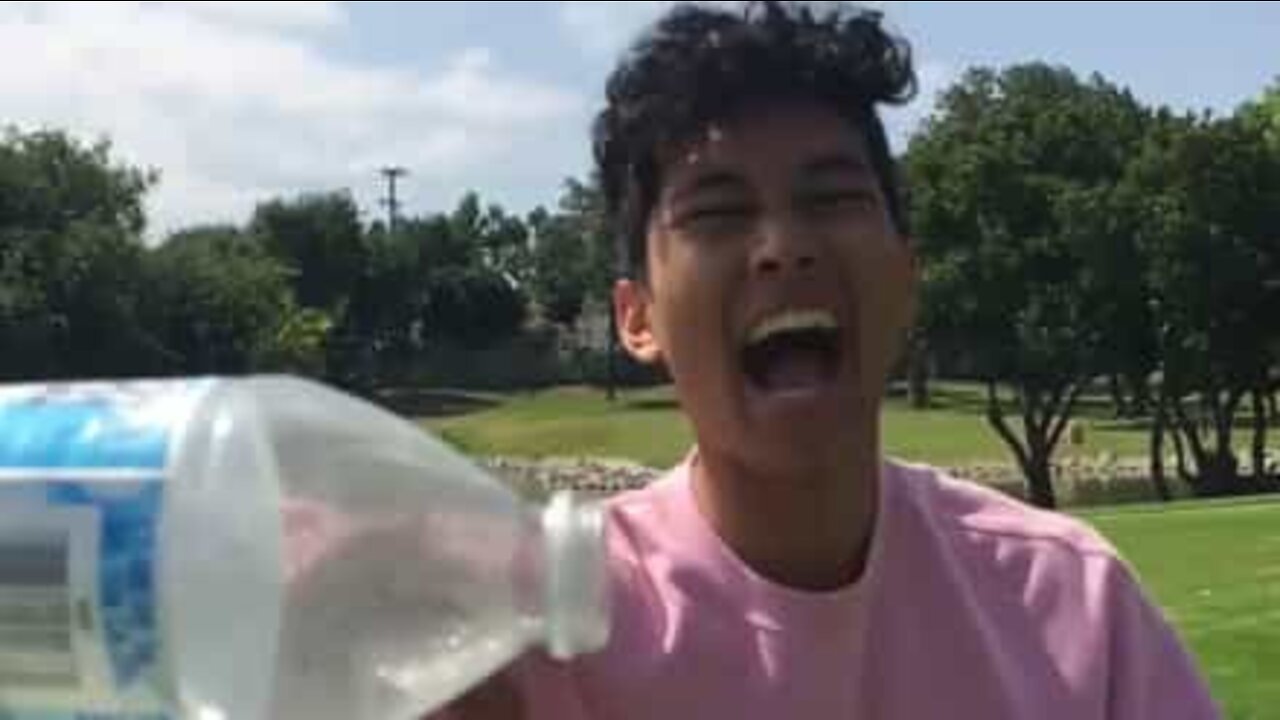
<point>576,593</point>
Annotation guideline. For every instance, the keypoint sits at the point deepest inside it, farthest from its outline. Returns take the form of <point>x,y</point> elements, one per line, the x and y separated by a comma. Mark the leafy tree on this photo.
<point>70,225</point>
<point>319,238</point>
<point>49,181</point>
<point>216,300</point>
<point>1209,230</point>
<point>561,280</point>
<point>998,178</point>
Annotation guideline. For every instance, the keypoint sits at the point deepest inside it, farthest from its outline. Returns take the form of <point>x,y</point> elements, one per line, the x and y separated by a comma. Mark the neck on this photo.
<point>807,528</point>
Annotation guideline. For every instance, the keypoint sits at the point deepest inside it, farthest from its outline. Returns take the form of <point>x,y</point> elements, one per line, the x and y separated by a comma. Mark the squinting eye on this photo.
<point>722,211</point>
<point>842,199</point>
<point>718,214</point>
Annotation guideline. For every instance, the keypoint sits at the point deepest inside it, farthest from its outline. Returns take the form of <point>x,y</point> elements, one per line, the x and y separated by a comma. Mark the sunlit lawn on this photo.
<point>1215,569</point>
<point>646,426</point>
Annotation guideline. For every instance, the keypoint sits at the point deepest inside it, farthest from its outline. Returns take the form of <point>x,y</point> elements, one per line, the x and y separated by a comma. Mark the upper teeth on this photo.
<point>791,321</point>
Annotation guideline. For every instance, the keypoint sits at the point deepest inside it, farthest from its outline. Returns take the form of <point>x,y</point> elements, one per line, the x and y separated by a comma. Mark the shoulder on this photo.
<point>1052,577</point>
<point>639,529</point>
<point>642,521</point>
<point>1048,567</point>
<point>974,515</point>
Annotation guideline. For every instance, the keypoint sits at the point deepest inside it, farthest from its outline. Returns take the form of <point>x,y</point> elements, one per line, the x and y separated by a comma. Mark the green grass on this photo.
<point>647,426</point>
<point>574,422</point>
<point>1215,569</point>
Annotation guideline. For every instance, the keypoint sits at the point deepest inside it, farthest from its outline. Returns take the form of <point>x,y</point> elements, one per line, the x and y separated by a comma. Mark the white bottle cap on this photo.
<point>577,589</point>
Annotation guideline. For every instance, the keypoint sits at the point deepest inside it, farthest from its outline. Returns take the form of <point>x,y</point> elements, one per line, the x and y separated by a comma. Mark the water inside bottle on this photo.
<point>392,618</point>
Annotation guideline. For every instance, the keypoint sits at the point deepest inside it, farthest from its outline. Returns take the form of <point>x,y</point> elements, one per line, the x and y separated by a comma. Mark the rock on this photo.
<point>540,478</point>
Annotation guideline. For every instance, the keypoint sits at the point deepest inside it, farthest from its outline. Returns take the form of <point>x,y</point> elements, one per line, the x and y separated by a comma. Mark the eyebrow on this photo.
<point>839,164</point>
<point>711,181</point>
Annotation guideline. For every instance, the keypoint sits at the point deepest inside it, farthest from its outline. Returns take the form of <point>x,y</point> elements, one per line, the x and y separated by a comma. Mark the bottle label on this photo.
<point>82,470</point>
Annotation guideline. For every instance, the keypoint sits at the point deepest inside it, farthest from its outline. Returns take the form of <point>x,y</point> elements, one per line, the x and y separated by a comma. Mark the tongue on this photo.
<point>795,370</point>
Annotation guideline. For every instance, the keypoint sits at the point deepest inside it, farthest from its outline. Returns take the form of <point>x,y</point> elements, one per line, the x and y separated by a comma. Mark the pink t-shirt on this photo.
<point>972,606</point>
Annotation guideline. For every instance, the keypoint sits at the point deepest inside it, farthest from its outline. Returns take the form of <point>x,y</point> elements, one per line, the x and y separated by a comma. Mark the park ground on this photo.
<point>1214,567</point>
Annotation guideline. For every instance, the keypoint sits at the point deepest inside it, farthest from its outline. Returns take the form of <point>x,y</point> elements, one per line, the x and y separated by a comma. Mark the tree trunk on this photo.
<point>611,380</point>
<point>1260,422</point>
<point>1043,427</point>
<point>1141,395</point>
<point>1221,475</point>
<point>1040,481</point>
<point>918,371</point>
<point>1180,458</point>
<point>1203,479</point>
<point>1117,396</point>
<point>1157,454</point>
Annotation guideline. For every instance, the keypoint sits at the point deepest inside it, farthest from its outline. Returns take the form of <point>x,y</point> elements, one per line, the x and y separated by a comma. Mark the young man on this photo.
<point>786,570</point>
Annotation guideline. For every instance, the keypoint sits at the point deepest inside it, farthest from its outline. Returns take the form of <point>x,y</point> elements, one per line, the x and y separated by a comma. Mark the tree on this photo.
<point>505,245</point>
<point>299,345</point>
<point>471,306</point>
<point>320,240</point>
<point>70,225</point>
<point>998,178</point>
<point>1263,115</point>
<point>1209,229</point>
<point>49,181</point>
<point>389,296</point>
<point>217,302</point>
<point>560,278</point>
<point>442,279</point>
<point>1102,223</point>
<point>69,305</point>
<point>574,263</point>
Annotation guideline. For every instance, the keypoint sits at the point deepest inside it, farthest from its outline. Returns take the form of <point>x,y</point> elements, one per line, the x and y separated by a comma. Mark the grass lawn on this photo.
<point>1215,569</point>
<point>646,426</point>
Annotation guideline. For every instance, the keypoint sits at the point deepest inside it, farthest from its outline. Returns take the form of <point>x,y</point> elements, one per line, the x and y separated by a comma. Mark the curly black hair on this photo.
<point>700,65</point>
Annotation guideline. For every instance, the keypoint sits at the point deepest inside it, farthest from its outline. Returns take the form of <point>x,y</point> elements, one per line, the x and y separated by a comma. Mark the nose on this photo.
<point>784,248</point>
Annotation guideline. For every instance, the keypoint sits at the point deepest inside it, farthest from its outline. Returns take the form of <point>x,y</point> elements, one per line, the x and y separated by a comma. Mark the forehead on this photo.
<point>769,142</point>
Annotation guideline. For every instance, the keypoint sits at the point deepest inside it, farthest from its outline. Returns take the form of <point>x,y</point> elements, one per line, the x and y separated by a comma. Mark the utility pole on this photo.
<point>392,174</point>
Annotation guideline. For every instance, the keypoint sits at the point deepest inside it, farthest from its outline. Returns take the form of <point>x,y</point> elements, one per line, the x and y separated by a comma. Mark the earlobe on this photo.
<point>633,311</point>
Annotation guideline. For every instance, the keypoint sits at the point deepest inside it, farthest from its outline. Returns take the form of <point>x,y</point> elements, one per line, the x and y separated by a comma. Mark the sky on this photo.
<point>239,102</point>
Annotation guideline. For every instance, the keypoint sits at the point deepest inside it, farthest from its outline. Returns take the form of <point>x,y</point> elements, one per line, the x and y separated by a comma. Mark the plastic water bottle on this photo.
<point>266,549</point>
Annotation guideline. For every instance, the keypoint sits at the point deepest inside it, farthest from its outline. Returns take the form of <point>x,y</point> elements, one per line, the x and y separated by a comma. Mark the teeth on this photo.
<point>791,321</point>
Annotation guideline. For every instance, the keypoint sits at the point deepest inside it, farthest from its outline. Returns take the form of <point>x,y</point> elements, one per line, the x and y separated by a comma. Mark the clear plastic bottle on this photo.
<point>266,549</point>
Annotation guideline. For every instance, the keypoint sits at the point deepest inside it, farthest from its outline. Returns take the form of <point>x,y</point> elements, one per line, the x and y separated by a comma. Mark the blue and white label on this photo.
<point>82,471</point>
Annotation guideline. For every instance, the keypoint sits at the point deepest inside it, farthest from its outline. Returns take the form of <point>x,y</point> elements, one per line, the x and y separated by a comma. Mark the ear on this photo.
<point>633,313</point>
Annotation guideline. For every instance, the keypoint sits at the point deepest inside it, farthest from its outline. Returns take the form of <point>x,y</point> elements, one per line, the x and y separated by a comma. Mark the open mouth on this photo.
<point>793,351</point>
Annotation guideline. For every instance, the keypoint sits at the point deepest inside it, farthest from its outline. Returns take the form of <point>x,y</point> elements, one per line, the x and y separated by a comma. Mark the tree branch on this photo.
<point>1189,430</point>
<point>1031,421</point>
<point>1226,426</point>
<point>995,416</point>
<point>1063,412</point>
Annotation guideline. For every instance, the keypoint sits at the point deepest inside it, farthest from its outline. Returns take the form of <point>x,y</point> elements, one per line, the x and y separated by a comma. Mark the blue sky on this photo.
<point>239,101</point>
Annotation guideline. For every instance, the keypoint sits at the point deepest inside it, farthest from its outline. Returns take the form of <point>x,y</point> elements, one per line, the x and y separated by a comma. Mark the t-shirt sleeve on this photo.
<point>1152,676</point>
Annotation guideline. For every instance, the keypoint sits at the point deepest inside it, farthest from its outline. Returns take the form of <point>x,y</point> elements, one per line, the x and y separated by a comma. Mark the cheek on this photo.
<point>691,325</point>
<point>881,277</point>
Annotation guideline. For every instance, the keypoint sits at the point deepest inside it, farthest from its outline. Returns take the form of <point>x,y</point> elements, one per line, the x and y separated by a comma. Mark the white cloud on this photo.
<point>235,102</point>
<point>259,13</point>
